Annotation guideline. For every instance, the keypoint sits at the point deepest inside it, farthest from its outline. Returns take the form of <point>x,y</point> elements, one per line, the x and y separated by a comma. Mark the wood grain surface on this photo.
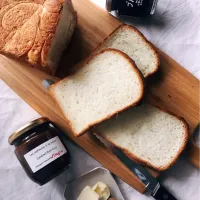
<point>172,88</point>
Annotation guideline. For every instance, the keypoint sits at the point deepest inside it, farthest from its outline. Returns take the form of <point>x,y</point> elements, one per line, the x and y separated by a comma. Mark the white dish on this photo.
<point>74,187</point>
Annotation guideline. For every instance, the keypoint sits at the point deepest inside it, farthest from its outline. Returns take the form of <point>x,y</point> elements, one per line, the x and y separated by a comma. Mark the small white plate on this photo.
<point>74,187</point>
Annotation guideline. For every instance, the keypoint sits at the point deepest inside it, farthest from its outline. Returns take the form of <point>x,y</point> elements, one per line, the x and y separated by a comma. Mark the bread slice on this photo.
<point>147,135</point>
<point>36,31</point>
<point>129,40</point>
<point>107,84</point>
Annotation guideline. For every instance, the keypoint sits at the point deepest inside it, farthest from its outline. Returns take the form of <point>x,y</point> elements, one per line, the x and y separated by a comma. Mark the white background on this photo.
<point>175,29</point>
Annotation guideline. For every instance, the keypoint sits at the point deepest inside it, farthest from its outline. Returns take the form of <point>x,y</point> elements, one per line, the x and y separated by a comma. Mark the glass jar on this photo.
<point>40,150</point>
<point>135,8</point>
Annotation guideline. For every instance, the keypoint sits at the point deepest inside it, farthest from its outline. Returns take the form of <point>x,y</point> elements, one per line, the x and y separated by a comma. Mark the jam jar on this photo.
<point>40,150</point>
<point>135,8</point>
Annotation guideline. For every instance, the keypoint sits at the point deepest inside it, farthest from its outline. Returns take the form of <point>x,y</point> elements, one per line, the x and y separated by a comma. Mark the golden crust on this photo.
<point>134,67</point>
<point>144,162</point>
<point>27,29</point>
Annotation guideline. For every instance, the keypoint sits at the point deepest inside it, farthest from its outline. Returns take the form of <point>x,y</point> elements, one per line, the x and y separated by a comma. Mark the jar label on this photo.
<point>45,153</point>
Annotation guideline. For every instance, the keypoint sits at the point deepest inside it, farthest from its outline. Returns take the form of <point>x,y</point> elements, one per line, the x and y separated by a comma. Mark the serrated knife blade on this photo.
<point>156,190</point>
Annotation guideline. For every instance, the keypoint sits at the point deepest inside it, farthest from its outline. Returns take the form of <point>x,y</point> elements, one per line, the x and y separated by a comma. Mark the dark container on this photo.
<point>134,8</point>
<point>40,150</point>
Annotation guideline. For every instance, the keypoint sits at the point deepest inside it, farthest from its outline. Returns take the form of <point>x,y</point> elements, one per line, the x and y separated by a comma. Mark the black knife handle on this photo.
<point>163,194</point>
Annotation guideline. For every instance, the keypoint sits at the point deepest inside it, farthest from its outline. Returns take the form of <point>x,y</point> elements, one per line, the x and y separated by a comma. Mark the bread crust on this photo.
<point>125,26</point>
<point>31,38</point>
<point>134,67</point>
<point>144,162</point>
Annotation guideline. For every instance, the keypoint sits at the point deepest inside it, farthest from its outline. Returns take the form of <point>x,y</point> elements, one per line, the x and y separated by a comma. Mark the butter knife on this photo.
<point>156,190</point>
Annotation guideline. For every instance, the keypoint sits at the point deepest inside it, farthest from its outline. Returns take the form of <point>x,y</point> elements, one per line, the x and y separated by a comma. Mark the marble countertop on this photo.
<point>175,28</point>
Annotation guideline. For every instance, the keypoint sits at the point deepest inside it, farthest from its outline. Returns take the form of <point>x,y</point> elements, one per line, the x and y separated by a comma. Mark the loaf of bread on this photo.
<point>107,84</point>
<point>129,40</point>
<point>147,134</point>
<point>36,31</point>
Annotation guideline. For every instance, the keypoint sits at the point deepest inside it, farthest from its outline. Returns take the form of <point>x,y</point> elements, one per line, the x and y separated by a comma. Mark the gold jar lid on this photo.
<point>26,128</point>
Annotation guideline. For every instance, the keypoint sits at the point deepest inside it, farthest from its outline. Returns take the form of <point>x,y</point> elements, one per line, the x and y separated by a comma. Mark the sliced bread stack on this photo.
<point>110,82</point>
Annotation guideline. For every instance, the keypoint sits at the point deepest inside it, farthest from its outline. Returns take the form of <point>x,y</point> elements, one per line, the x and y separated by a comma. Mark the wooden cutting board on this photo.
<point>173,88</point>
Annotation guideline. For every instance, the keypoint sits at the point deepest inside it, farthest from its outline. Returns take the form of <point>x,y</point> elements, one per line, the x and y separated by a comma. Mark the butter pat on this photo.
<point>88,194</point>
<point>102,190</point>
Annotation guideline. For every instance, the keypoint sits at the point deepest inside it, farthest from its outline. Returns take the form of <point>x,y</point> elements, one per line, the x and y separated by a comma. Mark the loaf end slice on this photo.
<point>132,42</point>
<point>105,85</point>
<point>147,134</point>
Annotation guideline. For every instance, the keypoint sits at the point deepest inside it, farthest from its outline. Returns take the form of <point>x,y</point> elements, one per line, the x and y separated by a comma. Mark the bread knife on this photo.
<point>152,185</point>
